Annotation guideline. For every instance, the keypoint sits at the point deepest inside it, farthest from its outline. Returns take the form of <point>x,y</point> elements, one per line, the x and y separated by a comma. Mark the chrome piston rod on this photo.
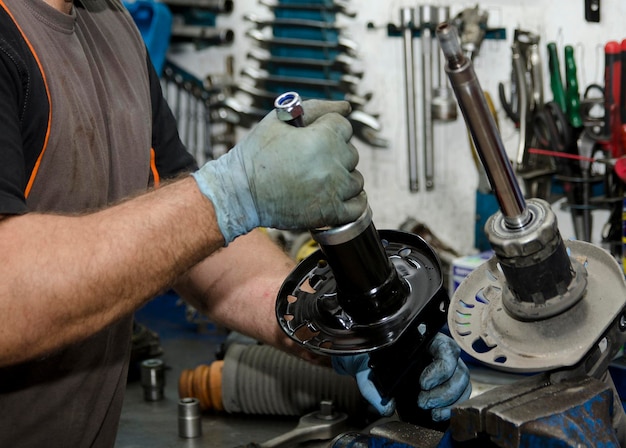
<point>426,13</point>
<point>407,18</point>
<point>483,129</point>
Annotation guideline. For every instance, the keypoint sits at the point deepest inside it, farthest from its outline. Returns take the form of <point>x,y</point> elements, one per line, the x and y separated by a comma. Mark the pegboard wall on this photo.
<point>449,208</point>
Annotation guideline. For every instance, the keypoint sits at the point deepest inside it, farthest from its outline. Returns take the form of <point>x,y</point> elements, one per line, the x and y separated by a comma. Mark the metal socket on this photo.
<point>153,379</point>
<point>189,422</point>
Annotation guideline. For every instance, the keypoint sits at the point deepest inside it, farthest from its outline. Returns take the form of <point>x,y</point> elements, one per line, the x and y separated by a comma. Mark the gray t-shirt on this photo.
<point>102,117</point>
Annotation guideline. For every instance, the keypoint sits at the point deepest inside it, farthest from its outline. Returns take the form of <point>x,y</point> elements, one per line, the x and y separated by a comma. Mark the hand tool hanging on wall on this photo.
<point>216,6</point>
<point>527,45</point>
<point>427,24</point>
<point>201,36</point>
<point>302,46</point>
<point>203,123</point>
<point>336,6</point>
<point>612,89</point>
<point>526,98</point>
<point>407,23</point>
<point>622,97</point>
<point>615,96</point>
<point>438,103</point>
<point>572,95</point>
<point>443,103</point>
<point>472,25</point>
<point>341,63</point>
<point>556,82</point>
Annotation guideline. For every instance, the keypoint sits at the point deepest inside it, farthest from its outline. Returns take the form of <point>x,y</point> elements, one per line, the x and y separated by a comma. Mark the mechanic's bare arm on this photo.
<point>64,278</point>
<point>237,287</point>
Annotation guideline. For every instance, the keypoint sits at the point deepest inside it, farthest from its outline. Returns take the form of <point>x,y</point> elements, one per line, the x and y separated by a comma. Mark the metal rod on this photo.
<point>483,129</point>
<point>443,15</point>
<point>426,23</point>
<point>406,20</point>
<point>520,72</point>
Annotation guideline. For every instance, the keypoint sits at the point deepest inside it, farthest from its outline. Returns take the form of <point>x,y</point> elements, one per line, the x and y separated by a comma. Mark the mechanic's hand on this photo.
<point>286,177</point>
<point>357,366</point>
<point>444,382</point>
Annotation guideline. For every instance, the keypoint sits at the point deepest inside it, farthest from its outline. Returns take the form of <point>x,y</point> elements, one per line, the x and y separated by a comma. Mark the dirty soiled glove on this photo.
<point>444,382</point>
<point>358,367</point>
<point>286,177</point>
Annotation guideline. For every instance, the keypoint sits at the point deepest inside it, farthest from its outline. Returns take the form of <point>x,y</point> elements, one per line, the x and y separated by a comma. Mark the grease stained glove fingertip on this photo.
<point>441,413</point>
<point>445,353</point>
<point>445,381</point>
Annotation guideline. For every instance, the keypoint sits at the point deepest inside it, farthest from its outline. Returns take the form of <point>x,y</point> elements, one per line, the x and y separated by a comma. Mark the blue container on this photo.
<point>154,20</point>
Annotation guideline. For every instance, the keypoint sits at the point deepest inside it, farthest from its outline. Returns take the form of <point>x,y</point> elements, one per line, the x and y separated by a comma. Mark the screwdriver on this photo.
<point>612,77</point>
<point>556,83</point>
<point>572,96</point>
<point>622,97</point>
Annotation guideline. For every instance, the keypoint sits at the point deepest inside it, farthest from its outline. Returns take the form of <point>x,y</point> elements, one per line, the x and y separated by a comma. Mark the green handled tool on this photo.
<point>572,97</point>
<point>556,83</point>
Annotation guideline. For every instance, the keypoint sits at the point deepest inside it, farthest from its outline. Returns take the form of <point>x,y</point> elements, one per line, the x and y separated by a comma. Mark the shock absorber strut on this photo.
<point>539,303</point>
<point>366,291</point>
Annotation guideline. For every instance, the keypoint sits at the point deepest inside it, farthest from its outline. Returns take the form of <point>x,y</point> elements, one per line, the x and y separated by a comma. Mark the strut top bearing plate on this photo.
<point>309,311</point>
<point>480,324</point>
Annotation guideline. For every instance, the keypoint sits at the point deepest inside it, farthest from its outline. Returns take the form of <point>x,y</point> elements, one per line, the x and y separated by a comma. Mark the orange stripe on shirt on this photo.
<point>31,180</point>
<point>153,168</point>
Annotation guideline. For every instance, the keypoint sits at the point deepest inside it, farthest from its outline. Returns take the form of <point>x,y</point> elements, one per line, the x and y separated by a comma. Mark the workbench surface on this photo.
<point>146,424</point>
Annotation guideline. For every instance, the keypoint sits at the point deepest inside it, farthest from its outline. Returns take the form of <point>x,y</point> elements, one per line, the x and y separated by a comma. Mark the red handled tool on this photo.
<point>612,78</point>
<point>622,98</point>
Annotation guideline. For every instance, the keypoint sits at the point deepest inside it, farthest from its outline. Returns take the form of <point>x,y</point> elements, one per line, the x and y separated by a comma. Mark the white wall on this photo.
<point>449,208</point>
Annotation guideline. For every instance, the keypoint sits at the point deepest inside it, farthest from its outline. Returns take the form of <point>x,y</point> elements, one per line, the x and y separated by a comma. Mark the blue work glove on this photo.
<point>444,382</point>
<point>358,367</point>
<point>285,177</point>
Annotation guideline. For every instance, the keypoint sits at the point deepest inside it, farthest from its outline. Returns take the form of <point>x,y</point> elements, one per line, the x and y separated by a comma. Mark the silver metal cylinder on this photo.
<point>443,103</point>
<point>345,233</point>
<point>189,419</point>
<point>407,23</point>
<point>483,128</point>
<point>153,379</point>
<point>443,15</point>
<point>520,72</point>
<point>427,23</point>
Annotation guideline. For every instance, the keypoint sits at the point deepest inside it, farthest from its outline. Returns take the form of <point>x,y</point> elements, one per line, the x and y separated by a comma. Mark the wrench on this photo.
<point>318,425</point>
<point>341,62</point>
<point>218,6</point>
<point>336,6</point>
<point>342,44</point>
<point>201,35</point>
<point>288,22</point>
<point>260,95</point>
<point>346,83</point>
